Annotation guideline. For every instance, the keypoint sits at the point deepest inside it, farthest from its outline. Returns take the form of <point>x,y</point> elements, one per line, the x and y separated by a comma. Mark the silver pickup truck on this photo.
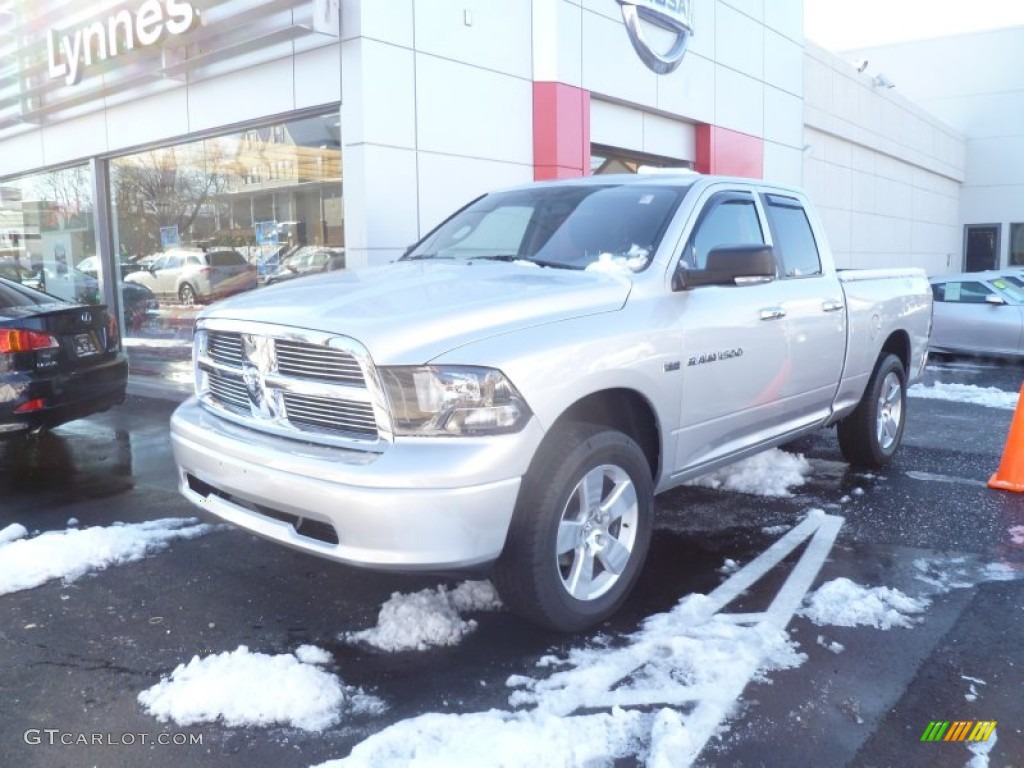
<point>514,391</point>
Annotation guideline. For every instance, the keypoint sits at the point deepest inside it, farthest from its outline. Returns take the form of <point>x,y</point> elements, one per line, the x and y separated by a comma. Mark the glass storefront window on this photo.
<point>47,238</point>
<point>1017,245</point>
<point>193,223</point>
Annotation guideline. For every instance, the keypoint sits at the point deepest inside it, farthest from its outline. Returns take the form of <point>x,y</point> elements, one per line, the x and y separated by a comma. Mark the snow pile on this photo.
<point>243,688</point>
<point>532,740</point>
<point>427,618</point>
<point>13,532</point>
<point>678,658</point>
<point>69,554</point>
<point>771,473</point>
<point>843,603</point>
<point>980,750</point>
<point>634,260</point>
<point>990,397</point>
<point>1016,534</point>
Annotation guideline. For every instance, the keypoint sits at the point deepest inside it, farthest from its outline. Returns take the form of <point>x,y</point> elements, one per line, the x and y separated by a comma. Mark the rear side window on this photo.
<point>795,248</point>
<point>226,259</point>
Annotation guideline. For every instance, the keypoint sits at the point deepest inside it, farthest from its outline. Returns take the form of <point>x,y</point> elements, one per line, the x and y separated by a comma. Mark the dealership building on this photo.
<point>134,133</point>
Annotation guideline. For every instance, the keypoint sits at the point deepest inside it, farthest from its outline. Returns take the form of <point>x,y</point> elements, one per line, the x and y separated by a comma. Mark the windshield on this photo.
<point>570,227</point>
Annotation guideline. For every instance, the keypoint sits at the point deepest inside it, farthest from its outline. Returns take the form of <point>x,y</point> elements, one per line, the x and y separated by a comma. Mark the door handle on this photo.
<point>773,313</point>
<point>831,305</point>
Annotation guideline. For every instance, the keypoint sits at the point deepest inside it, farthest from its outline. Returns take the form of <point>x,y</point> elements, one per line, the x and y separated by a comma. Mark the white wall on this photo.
<point>884,173</point>
<point>437,109</point>
<point>974,82</point>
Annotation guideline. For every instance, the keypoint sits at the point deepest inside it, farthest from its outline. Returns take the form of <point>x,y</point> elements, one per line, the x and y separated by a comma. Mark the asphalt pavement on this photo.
<point>75,656</point>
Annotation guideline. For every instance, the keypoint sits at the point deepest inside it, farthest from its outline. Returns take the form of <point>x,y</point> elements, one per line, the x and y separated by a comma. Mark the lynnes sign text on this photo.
<point>70,52</point>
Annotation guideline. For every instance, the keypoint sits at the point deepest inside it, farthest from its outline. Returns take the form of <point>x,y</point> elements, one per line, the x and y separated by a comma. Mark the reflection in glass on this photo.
<point>46,232</point>
<point>200,221</point>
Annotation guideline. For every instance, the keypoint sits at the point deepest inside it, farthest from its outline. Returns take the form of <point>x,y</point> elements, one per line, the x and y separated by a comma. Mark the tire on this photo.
<point>542,573</point>
<point>187,295</point>
<point>870,435</point>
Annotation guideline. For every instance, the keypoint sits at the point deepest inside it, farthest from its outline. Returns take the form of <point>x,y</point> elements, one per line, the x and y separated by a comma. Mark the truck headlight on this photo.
<point>445,400</point>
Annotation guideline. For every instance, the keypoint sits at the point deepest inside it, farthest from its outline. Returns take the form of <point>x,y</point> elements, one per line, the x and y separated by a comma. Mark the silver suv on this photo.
<point>190,274</point>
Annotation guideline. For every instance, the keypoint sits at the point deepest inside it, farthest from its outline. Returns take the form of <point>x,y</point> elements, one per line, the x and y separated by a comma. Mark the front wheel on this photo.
<point>870,435</point>
<point>581,529</point>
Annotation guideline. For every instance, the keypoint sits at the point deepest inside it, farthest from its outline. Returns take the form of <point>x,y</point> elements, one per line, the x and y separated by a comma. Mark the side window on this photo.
<point>795,248</point>
<point>728,219</point>
<point>961,293</point>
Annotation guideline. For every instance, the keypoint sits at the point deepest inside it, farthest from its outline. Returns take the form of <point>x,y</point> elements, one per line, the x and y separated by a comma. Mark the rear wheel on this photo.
<point>870,435</point>
<point>187,295</point>
<point>581,529</point>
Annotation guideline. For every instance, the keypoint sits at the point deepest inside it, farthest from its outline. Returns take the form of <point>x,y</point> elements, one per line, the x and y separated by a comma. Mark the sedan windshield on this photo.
<point>569,227</point>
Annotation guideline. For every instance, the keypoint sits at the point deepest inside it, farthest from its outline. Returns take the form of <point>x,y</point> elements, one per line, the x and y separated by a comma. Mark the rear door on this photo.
<point>813,308</point>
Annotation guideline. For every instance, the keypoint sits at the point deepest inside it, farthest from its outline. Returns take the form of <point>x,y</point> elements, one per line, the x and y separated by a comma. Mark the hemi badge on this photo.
<point>673,366</point>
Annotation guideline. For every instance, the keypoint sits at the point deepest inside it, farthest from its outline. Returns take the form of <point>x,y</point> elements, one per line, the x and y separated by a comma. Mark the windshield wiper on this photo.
<point>422,256</point>
<point>507,257</point>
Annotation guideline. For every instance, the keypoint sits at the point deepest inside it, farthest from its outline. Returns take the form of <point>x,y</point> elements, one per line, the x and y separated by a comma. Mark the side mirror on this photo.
<point>996,301</point>
<point>728,263</point>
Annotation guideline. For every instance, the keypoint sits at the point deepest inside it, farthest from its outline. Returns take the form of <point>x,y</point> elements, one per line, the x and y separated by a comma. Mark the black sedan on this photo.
<point>59,360</point>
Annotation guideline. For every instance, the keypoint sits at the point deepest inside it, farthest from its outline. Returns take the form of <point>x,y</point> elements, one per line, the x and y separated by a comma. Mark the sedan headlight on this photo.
<point>453,400</point>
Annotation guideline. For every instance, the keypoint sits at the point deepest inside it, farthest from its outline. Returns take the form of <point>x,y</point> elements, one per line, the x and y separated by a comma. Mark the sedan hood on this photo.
<point>408,313</point>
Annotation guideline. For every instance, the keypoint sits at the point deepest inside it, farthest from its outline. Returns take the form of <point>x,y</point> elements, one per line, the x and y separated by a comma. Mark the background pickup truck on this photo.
<point>514,391</point>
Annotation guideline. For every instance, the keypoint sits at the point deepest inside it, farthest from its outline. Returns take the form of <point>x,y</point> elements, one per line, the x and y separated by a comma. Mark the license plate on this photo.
<point>85,345</point>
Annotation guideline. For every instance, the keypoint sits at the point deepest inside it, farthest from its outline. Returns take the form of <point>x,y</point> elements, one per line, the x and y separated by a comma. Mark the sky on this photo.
<point>844,24</point>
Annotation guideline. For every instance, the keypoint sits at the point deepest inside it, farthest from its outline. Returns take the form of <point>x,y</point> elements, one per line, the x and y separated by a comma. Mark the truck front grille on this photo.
<point>306,385</point>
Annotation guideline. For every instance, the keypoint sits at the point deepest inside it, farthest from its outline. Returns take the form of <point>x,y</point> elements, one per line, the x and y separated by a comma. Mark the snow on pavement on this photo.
<point>244,688</point>
<point>844,603</point>
<point>430,617</point>
<point>990,397</point>
<point>13,532</point>
<point>28,562</point>
<point>770,473</point>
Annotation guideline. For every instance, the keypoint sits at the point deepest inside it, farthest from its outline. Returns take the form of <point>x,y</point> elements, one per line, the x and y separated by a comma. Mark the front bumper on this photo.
<point>422,504</point>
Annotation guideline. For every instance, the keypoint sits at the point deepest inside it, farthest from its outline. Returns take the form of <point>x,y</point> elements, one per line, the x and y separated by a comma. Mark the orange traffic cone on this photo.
<point>1010,476</point>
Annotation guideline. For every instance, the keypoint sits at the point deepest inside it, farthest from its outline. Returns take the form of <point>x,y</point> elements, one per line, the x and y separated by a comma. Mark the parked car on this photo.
<point>977,313</point>
<point>91,266</point>
<point>19,273</point>
<point>514,391</point>
<point>59,360</point>
<point>190,275</point>
<point>308,260</point>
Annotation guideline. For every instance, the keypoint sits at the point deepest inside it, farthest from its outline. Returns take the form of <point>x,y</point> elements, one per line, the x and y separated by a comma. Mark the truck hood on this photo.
<point>408,313</point>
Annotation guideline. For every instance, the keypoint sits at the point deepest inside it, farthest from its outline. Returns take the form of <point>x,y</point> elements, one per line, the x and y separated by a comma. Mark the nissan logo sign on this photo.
<point>674,16</point>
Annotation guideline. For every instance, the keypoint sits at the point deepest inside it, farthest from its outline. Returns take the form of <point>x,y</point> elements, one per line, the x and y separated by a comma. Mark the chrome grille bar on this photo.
<point>329,414</point>
<point>225,348</point>
<point>317,362</point>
